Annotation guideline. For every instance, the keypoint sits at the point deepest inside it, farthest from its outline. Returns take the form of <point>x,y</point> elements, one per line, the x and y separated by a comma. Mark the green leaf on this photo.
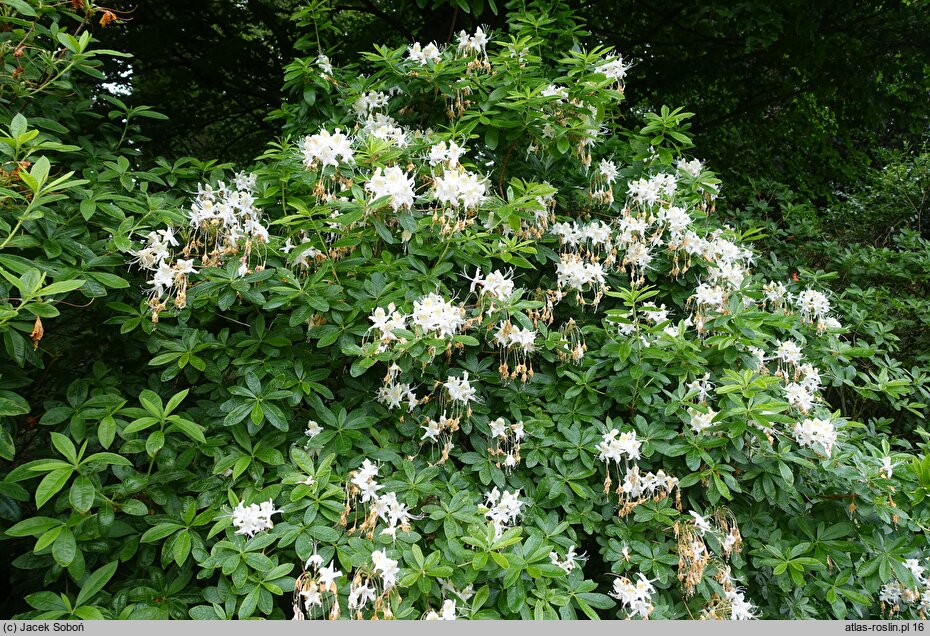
<point>64,446</point>
<point>182,547</point>
<point>32,527</point>
<point>109,280</point>
<point>160,531</point>
<point>82,494</point>
<point>61,287</point>
<point>65,548</point>
<point>154,443</point>
<point>95,582</point>
<point>22,7</point>
<point>51,484</point>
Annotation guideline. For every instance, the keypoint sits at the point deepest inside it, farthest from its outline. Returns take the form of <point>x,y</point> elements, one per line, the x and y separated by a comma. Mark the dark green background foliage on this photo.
<point>125,443</point>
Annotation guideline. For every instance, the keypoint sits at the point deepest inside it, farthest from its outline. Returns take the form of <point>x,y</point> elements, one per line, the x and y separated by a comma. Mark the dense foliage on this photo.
<point>804,94</point>
<point>462,343</point>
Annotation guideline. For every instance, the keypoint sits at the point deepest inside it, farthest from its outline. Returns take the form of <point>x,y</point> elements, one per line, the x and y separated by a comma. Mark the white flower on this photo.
<point>460,389</point>
<point>788,352</point>
<point>498,427</point>
<point>614,69</point>
<point>700,523</point>
<point>327,149</point>
<point>182,267</point>
<point>360,595</point>
<point>324,64</point>
<point>440,153</point>
<point>740,608</point>
<point>613,448</point>
<point>524,339</point>
<point>386,567</point>
<point>812,305</point>
<point>430,53</point>
<point>436,316</point>
<point>476,43</point>
<point>635,597</point>
<point>701,420</point>
<point>608,170</point>
<point>554,90</point>
<point>328,576</point>
<point>693,167</point>
<point>502,509</point>
<point>392,182</point>
<point>459,188</point>
<point>254,518</point>
<point>313,429</point>
<point>496,284</point>
<point>432,430</point>
<point>314,561</point>
<point>816,431</point>
<point>386,321</point>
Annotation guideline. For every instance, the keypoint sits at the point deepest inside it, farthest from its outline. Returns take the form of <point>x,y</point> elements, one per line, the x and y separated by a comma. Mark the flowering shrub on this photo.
<point>468,349</point>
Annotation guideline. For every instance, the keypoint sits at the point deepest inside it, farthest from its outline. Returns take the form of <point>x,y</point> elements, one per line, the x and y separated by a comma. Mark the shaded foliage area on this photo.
<point>792,91</point>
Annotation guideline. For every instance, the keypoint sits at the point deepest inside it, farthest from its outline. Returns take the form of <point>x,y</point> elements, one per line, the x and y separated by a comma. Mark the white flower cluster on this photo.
<point>447,613</point>
<point>508,438</point>
<point>593,235</point>
<point>896,595</point>
<point>223,221</point>
<point>653,190</point>
<point>369,102</point>
<point>510,337</point>
<point>812,305</point>
<point>423,54</point>
<point>325,149</point>
<point>575,273</point>
<point>816,432</point>
<point>636,598</point>
<point>394,183</point>
<point>437,317</point>
<point>434,428</point>
<point>619,449</point>
<point>701,387</point>
<point>385,506</point>
<point>324,64</point>
<point>448,154</point>
<point>459,188</point>
<point>502,509</point>
<point>554,90</point>
<point>496,284</point>
<point>316,581</point>
<point>788,353</point>
<point>569,562</point>
<point>637,486</point>
<point>701,420</point>
<point>392,394</point>
<point>255,518</point>
<point>615,70</point>
<point>227,215</point>
<point>692,168</point>
<point>473,44</point>
<point>386,567</point>
<point>364,481</point>
<point>607,170</point>
<point>740,608</point>
<point>460,390</point>
<point>156,256</point>
<point>385,321</point>
<point>385,128</point>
